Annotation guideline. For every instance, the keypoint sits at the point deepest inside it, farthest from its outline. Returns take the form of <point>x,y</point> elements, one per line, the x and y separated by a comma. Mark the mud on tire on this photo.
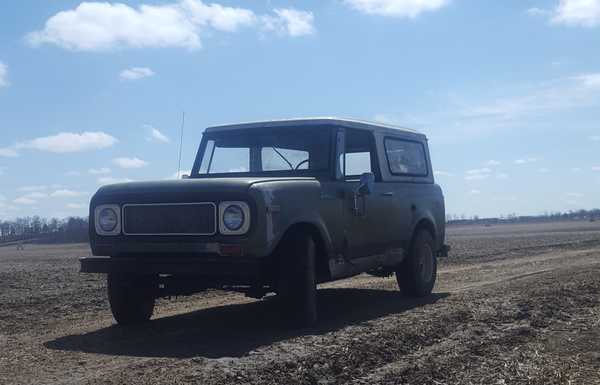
<point>416,275</point>
<point>297,284</point>
<point>131,297</point>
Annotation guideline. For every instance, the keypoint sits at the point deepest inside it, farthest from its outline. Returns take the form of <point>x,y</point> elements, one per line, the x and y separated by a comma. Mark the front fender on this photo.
<point>288,204</point>
<point>315,222</point>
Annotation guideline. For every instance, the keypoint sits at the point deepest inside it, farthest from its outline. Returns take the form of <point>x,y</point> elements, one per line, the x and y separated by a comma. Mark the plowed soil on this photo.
<point>514,304</point>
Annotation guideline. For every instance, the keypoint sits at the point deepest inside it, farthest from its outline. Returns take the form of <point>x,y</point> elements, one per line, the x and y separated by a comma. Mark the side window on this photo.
<point>358,163</point>
<point>405,157</point>
<point>359,152</point>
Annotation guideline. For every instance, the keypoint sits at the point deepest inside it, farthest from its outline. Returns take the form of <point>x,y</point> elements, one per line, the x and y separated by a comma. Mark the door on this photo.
<point>365,216</point>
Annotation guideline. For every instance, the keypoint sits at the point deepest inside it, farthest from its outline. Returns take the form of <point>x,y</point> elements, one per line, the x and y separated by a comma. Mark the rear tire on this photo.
<point>417,273</point>
<point>297,279</point>
<point>131,297</point>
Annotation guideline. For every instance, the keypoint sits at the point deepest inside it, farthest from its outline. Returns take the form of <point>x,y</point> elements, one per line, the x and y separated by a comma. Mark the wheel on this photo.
<point>417,273</point>
<point>297,279</point>
<point>131,297</point>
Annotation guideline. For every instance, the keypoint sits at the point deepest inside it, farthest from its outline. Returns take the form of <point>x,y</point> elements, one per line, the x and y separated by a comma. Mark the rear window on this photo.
<point>406,157</point>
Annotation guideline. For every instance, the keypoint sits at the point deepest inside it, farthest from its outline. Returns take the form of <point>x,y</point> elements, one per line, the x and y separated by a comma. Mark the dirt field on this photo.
<point>514,304</point>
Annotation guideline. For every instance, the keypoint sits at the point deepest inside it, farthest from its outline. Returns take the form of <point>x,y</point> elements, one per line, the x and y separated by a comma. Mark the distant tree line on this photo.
<point>44,230</point>
<point>571,215</point>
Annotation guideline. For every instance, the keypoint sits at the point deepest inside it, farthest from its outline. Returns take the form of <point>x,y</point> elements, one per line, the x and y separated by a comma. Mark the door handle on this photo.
<point>388,194</point>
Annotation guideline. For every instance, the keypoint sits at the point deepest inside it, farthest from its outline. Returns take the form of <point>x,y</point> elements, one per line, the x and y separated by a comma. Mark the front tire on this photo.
<point>131,297</point>
<point>297,279</point>
<point>417,274</point>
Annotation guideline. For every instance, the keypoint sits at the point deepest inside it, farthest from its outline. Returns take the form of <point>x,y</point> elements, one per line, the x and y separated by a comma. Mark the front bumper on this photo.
<point>233,269</point>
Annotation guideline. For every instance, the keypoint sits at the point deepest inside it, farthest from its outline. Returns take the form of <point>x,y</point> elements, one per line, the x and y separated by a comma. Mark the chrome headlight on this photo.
<point>108,219</point>
<point>234,218</point>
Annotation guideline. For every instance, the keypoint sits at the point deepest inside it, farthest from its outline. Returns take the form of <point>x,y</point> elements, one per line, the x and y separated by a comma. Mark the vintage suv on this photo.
<point>275,206</point>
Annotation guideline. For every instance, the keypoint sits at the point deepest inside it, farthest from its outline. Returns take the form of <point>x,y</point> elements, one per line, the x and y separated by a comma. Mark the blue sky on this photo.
<point>507,91</point>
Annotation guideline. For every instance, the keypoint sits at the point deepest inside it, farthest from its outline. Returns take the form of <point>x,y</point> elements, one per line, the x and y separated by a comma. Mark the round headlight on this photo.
<point>233,217</point>
<point>108,219</point>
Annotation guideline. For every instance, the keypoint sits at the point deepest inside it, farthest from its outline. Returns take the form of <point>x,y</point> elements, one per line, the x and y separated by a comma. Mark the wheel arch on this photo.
<point>322,246</point>
<point>425,223</point>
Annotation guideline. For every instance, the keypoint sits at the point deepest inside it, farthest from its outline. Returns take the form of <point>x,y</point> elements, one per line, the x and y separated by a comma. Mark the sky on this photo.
<point>508,92</point>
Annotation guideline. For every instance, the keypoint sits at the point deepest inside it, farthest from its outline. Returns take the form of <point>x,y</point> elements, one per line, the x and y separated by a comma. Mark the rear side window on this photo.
<point>406,157</point>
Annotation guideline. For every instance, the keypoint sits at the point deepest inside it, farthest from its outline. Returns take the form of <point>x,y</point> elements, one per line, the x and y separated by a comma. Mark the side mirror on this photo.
<point>366,184</point>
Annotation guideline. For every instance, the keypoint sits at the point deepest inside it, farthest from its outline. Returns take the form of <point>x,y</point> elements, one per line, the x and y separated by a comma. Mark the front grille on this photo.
<point>169,219</point>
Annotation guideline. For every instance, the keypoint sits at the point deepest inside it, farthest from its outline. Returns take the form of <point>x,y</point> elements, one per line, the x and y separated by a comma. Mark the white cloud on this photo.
<point>595,168</point>
<point>33,188</point>
<point>8,152</point>
<point>73,173</point>
<point>289,21</point>
<point>492,163</point>
<point>75,206</point>
<point>474,192</point>
<point>136,73</point>
<point>579,90</point>
<point>477,177</point>
<point>537,12</point>
<point>221,18</point>
<point>154,135</point>
<point>70,142</point>
<point>24,201</point>
<point>99,171</point>
<point>65,193</point>
<point>442,173</point>
<point>543,170</point>
<point>96,26</point>
<point>102,26</point>
<point>35,195</point>
<point>397,8</point>
<point>576,170</point>
<point>478,174</point>
<point>585,13</point>
<point>589,80</point>
<point>2,198</point>
<point>575,195</point>
<point>111,180</point>
<point>3,75</point>
<point>130,162</point>
<point>502,175</point>
<point>484,170</point>
<point>526,160</point>
<point>595,138</point>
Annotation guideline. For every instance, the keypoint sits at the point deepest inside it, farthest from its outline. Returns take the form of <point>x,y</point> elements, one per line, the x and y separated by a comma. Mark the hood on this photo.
<point>182,189</point>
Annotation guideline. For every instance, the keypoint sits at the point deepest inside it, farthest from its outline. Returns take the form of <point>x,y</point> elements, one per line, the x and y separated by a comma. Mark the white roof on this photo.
<point>318,121</point>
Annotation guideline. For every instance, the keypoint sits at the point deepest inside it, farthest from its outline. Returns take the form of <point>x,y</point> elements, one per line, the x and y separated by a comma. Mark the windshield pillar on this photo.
<point>255,159</point>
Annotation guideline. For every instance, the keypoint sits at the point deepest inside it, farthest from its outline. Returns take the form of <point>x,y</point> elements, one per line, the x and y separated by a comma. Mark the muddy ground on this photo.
<point>514,304</point>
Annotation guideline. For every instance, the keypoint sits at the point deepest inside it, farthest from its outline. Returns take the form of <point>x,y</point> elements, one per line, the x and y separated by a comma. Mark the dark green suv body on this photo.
<point>275,206</point>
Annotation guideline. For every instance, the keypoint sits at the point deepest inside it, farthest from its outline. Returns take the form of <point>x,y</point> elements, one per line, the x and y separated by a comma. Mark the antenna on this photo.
<point>180,146</point>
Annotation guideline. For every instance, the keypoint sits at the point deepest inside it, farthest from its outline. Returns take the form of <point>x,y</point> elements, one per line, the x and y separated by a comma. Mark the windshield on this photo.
<point>296,151</point>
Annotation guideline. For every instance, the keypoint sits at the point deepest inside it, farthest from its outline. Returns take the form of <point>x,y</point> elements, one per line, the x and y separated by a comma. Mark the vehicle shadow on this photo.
<point>235,330</point>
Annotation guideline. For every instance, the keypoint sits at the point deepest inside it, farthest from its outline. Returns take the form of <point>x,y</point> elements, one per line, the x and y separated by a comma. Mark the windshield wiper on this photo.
<point>283,157</point>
